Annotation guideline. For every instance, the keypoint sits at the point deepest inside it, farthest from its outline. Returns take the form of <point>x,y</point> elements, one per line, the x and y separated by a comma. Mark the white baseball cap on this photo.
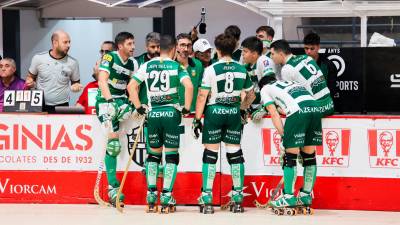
<point>201,45</point>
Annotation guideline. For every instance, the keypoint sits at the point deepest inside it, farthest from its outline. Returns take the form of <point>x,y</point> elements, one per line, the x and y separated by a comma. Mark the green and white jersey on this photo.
<point>226,80</point>
<point>120,73</point>
<point>162,77</point>
<point>289,96</point>
<point>302,69</point>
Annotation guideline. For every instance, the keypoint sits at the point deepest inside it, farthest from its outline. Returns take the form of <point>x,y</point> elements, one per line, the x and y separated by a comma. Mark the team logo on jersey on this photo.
<point>335,148</point>
<point>140,154</point>
<point>266,63</point>
<point>384,148</point>
<point>271,149</point>
<point>107,57</point>
<point>105,63</point>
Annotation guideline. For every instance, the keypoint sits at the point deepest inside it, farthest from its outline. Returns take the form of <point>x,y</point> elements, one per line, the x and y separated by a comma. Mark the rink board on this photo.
<point>54,159</point>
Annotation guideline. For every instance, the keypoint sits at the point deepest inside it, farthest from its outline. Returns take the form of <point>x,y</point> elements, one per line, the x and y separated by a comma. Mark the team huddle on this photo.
<point>242,81</point>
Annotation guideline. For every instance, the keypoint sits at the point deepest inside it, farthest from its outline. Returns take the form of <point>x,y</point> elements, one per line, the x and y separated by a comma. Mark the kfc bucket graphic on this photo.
<point>271,142</point>
<point>335,148</point>
<point>384,148</point>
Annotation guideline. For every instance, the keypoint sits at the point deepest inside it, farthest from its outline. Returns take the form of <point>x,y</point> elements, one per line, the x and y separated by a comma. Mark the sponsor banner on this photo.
<point>384,148</point>
<point>77,188</point>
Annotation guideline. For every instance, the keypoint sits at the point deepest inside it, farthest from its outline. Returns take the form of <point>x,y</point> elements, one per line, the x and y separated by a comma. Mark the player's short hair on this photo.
<point>267,29</point>
<point>122,37</point>
<point>110,43</point>
<point>253,44</point>
<point>312,39</point>
<point>167,42</point>
<point>281,46</point>
<point>183,36</point>
<point>226,44</point>
<point>234,31</point>
<point>153,37</point>
<point>266,80</point>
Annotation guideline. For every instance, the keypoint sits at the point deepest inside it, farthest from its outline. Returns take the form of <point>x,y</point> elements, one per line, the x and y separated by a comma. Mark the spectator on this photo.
<point>311,48</point>
<point>9,79</point>
<point>202,51</point>
<point>266,35</point>
<point>87,100</point>
<point>53,71</point>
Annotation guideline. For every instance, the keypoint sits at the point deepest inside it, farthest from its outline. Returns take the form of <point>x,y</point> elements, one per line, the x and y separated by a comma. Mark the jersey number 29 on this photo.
<point>160,81</point>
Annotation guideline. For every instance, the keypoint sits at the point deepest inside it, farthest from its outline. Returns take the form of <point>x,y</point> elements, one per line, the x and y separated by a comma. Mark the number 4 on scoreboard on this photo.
<point>9,98</point>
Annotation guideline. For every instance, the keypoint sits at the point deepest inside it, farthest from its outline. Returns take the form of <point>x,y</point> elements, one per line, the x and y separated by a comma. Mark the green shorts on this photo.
<point>326,106</point>
<point>163,127</point>
<point>222,123</point>
<point>125,109</point>
<point>303,129</point>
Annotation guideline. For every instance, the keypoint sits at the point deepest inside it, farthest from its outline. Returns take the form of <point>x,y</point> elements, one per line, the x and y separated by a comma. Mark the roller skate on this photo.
<point>151,200</point>
<point>112,196</point>
<point>285,204</point>
<point>167,203</point>
<point>205,203</point>
<point>236,202</point>
<point>304,201</point>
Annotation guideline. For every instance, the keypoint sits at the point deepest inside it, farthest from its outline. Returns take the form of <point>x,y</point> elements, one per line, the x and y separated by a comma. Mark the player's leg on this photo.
<point>154,156</point>
<point>113,149</point>
<point>313,138</point>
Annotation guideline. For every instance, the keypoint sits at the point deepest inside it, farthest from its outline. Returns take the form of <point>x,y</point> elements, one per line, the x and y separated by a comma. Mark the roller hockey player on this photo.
<point>300,134</point>
<point>112,104</point>
<point>162,76</point>
<point>258,66</point>
<point>224,81</point>
<point>302,69</point>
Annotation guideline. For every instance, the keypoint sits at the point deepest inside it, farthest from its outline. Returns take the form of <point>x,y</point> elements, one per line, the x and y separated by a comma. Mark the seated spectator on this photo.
<point>9,79</point>
<point>87,99</point>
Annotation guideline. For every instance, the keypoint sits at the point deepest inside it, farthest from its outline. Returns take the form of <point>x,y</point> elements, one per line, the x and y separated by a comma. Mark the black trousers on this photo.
<point>51,109</point>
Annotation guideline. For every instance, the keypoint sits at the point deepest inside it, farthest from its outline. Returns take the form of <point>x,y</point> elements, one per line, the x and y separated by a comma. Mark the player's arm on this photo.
<point>201,102</point>
<point>187,83</point>
<point>103,84</point>
<point>275,117</point>
<point>133,90</point>
<point>248,94</point>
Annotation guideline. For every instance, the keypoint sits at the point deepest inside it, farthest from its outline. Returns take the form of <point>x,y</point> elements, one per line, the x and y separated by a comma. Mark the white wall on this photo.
<point>220,14</point>
<point>86,38</point>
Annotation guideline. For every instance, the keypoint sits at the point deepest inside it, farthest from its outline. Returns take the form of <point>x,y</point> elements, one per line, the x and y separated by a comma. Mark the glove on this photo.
<point>185,112</point>
<point>258,115</point>
<point>243,116</point>
<point>77,87</point>
<point>112,109</point>
<point>142,110</point>
<point>197,128</point>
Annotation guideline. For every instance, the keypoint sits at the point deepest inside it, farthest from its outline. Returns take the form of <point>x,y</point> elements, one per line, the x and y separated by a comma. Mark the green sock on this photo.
<point>290,175</point>
<point>170,171</point>
<point>237,172</point>
<point>111,167</point>
<point>151,174</point>
<point>310,175</point>
<point>208,173</point>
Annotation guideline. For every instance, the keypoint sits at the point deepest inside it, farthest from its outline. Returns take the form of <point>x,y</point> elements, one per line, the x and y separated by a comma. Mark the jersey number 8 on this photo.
<point>229,82</point>
<point>160,81</point>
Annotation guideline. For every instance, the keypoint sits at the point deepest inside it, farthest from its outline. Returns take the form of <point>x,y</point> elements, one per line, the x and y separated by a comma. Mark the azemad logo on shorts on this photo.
<point>271,142</point>
<point>384,148</point>
<point>335,149</point>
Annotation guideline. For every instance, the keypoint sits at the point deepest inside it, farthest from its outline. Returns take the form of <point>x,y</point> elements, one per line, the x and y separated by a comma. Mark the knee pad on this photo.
<point>289,160</point>
<point>235,158</point>
<point>210,157</point>
<point>153,158</point>
<point>172,158</point>
<point>308,159</point>
<point>113,147</point>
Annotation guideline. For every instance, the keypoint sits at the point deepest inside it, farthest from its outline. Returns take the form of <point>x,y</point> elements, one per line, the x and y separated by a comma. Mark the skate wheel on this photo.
<point>172,209</point>
<point>276,212</point>
<point>163,210</point>
<point>201,208</point>
<point>310,211</point>
<point>304,210</point>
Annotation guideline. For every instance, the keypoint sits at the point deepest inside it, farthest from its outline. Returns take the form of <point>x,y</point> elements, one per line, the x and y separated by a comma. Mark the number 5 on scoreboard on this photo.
<point>37,98</point>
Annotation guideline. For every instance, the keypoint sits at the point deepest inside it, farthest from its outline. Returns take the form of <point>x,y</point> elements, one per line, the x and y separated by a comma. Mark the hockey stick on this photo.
<point>118,202</point>
<point>274,193</point>
<point>96,193</point>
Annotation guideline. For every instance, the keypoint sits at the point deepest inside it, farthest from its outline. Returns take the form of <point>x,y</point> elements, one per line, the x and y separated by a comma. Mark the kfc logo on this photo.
<point>334,151</point>
<point>271,142</point>
<point>384,148</point>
